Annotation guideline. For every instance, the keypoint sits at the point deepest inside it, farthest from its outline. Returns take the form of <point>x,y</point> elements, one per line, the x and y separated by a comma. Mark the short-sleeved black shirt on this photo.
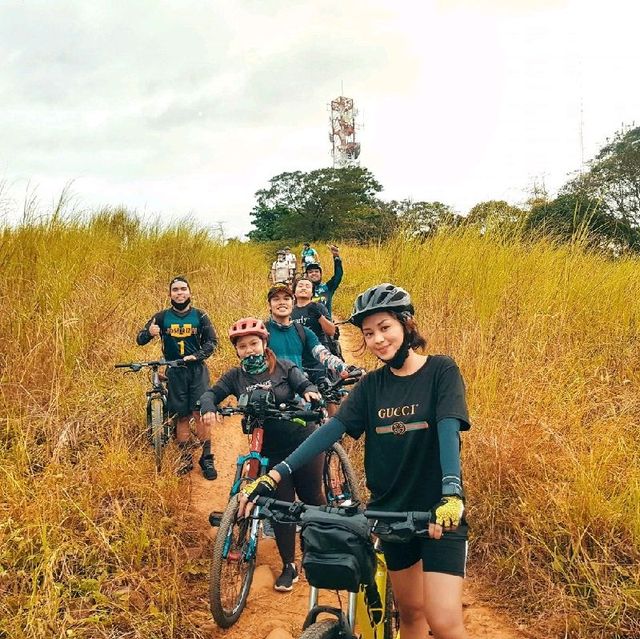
<point>309,316</point>
<point>399,416</point>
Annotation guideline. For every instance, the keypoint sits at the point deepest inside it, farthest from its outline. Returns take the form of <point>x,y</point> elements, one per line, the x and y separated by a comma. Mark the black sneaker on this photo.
<point>289,576</point>
<point>208,469</point>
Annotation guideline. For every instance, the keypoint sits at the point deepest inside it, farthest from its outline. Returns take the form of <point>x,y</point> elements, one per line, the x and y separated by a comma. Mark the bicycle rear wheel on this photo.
<point>339,478</point>
<point>156,428</point>
<point>232,566</point>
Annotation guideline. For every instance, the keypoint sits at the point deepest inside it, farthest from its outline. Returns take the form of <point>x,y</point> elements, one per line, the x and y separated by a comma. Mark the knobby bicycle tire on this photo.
<point>391,614</point>
<point>230,576</point>
<point>338,477</point>
<point>325,629</point>
<point>157,430</point>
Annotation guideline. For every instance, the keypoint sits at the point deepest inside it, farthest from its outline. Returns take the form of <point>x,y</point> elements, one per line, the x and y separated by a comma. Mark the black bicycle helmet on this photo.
<point>311,266</point>
<point>382,297</point>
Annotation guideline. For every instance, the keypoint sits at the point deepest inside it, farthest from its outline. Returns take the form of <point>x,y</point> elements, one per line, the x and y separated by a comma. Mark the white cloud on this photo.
<point>193,105</point>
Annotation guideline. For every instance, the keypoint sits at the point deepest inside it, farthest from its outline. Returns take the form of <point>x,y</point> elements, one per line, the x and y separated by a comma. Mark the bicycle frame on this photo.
<point>253,463</point>
<point>248,468</point>
<point>158,389</point>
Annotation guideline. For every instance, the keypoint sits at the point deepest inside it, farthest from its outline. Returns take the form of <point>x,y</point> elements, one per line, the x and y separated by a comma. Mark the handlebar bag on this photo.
<point>337,551</point>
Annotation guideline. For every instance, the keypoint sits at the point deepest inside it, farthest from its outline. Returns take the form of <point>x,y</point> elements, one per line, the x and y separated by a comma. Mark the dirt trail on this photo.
<point>267,609</point>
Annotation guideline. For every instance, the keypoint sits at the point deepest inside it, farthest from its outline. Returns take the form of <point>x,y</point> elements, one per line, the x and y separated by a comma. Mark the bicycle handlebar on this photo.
<point>304,415</point>
<point>405,524</point>
<point>330,391</point>
<point>137,366</point>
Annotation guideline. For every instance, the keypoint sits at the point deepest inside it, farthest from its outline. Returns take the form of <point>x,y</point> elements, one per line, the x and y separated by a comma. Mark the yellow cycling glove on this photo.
<point>264,486</point>
<point>448,511</point>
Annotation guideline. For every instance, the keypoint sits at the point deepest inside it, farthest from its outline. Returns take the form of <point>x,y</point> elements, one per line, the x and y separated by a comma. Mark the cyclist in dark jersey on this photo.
<point>411,411</point>
<point>313,315</point>
<point>323,291</point>
<point>260,368</point>
<point>186,333</point>
<point>297,344</point>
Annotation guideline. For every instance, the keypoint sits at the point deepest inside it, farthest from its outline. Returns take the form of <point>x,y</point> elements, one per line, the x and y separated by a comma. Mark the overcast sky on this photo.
<point>188,107</point>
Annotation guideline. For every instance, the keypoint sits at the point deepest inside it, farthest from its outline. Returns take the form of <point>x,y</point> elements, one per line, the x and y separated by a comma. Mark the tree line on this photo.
<point>601,205</point>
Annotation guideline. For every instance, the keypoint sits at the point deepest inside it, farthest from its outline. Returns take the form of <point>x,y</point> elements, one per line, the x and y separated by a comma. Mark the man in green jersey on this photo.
<point>186,333</point>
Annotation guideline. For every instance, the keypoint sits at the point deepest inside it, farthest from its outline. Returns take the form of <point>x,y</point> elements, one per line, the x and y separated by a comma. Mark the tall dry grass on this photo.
<point>92,543</point>
<point>547,338</point>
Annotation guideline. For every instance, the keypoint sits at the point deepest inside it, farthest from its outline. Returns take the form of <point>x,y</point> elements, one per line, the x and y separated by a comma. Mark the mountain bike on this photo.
<point>236,545</point>
<point>339,477</point>
<point>159,424</point>
<point>371,612</point>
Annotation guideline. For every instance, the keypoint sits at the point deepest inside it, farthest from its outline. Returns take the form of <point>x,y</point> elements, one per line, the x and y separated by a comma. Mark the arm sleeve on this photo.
<point>353,411</point>
<point>449,445</point>
<point>208,339</point>
<point>316,443</point>
<point>451,396</point>
<point>325,357</point>
<point>338,272</point>
<point>144,337</point>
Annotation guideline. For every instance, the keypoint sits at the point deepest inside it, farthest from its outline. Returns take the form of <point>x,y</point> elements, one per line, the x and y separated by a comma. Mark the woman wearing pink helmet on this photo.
<point>259,367</point>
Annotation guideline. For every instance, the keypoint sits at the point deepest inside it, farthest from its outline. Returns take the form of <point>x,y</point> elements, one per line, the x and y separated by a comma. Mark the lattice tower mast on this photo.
<point>345,149</point>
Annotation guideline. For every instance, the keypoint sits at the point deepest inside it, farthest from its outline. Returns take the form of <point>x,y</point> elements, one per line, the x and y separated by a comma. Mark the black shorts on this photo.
<point>186,385</point>
<point>447,555</point>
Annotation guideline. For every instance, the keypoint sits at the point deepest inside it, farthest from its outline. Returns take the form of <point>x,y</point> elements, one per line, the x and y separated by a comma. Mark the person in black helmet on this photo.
<point>186,333</point>
<point>411,411</point>
<point>323,291</point>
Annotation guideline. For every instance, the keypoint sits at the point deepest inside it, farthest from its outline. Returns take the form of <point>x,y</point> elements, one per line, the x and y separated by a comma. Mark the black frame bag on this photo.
<point>337,550</point>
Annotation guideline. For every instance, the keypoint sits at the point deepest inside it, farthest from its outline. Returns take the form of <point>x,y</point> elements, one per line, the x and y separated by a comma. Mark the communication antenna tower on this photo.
<point>345,149</point>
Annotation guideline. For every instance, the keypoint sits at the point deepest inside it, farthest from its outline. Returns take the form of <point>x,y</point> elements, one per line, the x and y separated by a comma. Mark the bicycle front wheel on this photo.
<point>232,566</point>
<point>156,427</point>
<point>391,614</point>
<point>339,477</point>
<point>326,629</point>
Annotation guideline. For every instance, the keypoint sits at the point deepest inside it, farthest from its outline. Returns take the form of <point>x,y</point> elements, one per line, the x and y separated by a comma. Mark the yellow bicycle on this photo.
<point>370,610</point>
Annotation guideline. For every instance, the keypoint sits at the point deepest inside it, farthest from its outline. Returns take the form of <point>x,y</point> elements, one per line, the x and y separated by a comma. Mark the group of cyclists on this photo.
<point>285,266</point>
<point>411,411</point>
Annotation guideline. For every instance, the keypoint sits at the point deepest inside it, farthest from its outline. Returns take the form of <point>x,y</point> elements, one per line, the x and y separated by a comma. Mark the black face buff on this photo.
<point>401,355</point>
<point>180,306</point>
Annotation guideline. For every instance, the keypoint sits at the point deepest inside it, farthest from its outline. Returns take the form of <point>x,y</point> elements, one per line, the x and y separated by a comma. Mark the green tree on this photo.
<point>495,215</point>
<point>424,219</point>
<point>613,177</point>
<point>572,216</point>
<point>318,205</point>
